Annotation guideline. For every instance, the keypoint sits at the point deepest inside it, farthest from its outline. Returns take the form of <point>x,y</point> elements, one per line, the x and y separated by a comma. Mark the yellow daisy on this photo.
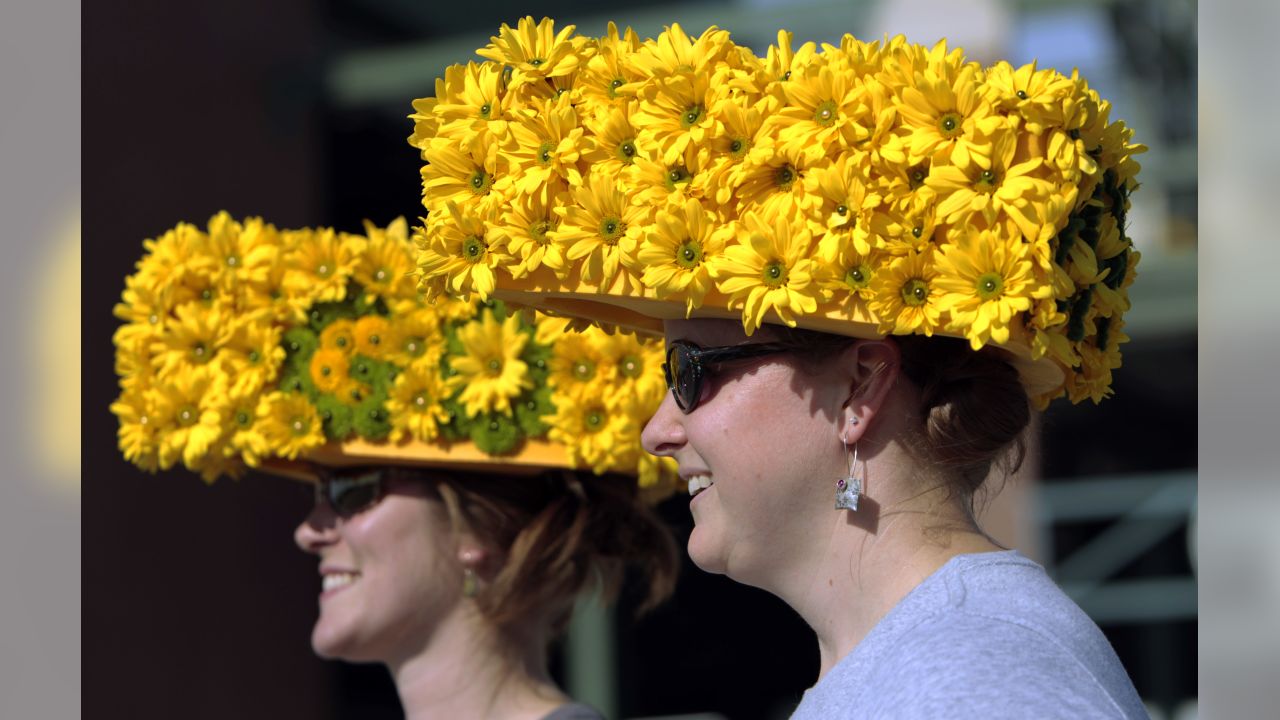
<point>846,204</point>
<point>339,335</point>
<point>611,76</point>
<point>253,354</point>
<point>637,382</point>
<point>290,423</point>
<point>578,368</point>
<point>907,228</point>
<point>674,114</point>
<point>675,53</point>
<point>992,186</point>
<point>417,337</point>
<point>413,405</point>
<point>526,225</point>
<point>138,435</point>
<point>534,51</point>
<point>246,440</point>
<point>772,181</point>
<point>490,373</point>
<point>547,145</point>
<point>461,174</point>
<point>986,280</point>
<point>193,337</point>
<point>613,145</point>
<point>596,435</point>
<point>1038,96</point>
<point>330,370</point>
<point>942,105</point>
<point>190,407</point>
<point>470,101</point>
<point>462,250</point>
<point>766,268</point>
<point>385,267</point>
<point>733,142</point>
<point>660,183</point>
<point>906,298</point>
<point>847,276</point>
<point>677,250</point>
<point>601,229</point>
<point>826,110</point>
<point>323,262</point>
<point>372,336</point>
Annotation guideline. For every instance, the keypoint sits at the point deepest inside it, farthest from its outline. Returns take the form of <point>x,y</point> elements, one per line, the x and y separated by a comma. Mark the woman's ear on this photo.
<point>873,367</point>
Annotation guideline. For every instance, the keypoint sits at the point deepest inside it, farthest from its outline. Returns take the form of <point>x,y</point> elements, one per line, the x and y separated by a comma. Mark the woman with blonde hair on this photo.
<point>869,262</point>
<point>475,473</point>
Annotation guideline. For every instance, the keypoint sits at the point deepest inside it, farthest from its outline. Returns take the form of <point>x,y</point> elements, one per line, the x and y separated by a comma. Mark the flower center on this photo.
<point>916,176</point>
<point>987,181</point>
<point>485,109</point>
<point>299,426</point>
<point>691,116</point>
<point>611,228</point>
<point>689,254</point>
<point>535,62</point>
<point>584,370</point>
<point>187,415</point>
<point>594,420</point>
<point>414,346</point>
<point>1022,94</point>
<point>538,231</point>
<point>989,286</point>
<point>825,115</point>
<point>677,176</point>
<point>627,150</point>
<point>199,350</point>
<point>544,153</point>
<point>242,418</point>
<point>858,276</point>
<point>775,274</point>
<point>949,124</point>
<point>784,177</point>
<point>630,366</point>
<point>380,275</point>
<point>480,182</point>
<point>474,249</point>
<point>495,366</point>
<point>917,231</point>
<point>842,210</point>
<point>323,271</point>
<point>915,292</point>
<point>254,356</point>
<point>232,260</point>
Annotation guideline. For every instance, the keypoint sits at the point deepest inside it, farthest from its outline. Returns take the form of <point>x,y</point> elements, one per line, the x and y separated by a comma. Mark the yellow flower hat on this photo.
<point>248,346</point>
<point>863,189</point>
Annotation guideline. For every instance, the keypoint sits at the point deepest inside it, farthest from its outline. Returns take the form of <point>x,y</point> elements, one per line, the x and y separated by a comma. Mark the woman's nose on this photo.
<point>664,433</point>
<point>318,529</point>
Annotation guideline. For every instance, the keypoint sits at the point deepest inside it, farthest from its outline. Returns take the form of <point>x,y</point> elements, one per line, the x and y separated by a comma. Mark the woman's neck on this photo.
<point>867,566</point>
<point>469,670</point>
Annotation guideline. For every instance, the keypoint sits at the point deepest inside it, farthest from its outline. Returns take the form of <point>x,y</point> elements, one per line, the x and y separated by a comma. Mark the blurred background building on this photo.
<point>197,604</point>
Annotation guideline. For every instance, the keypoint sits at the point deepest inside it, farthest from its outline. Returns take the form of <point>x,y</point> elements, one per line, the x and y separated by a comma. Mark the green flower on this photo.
<point>531,408</point>
<point>495,433</point>
<point>337,416</point>
<point>370,417</point>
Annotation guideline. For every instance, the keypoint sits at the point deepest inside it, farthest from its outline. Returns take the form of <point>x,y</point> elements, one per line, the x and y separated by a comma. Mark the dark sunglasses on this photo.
<point>349,490</point>
<point>687,365</point>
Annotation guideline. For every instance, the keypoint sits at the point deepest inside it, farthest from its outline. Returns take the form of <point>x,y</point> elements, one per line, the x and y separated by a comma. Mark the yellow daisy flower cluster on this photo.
<point>242,342</point>
<point>887,184</point>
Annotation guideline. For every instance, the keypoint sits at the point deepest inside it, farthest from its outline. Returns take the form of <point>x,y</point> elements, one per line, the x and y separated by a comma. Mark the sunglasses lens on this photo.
<point>684,377</point>
<point>350,495</point>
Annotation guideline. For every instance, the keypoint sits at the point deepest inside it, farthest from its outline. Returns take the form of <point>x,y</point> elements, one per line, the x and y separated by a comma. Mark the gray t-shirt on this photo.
<point>988,635</point>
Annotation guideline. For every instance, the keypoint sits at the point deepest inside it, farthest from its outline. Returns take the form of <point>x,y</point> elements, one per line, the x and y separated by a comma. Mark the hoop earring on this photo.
<point>848,488</point>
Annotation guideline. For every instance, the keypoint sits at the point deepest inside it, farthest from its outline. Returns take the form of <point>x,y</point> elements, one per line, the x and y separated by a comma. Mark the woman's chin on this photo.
<point>705,554</point>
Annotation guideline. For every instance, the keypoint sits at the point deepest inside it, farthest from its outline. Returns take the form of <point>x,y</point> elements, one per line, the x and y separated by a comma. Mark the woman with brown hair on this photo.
<point>869,263</point>
<point>475,473</point>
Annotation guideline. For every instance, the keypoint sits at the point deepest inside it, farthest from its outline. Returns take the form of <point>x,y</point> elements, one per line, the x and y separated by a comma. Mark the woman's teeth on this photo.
<point>337,580</point>
<point>698,483</point>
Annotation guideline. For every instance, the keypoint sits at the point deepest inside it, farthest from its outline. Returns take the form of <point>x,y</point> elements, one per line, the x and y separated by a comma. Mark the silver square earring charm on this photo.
<point>848,488</point>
